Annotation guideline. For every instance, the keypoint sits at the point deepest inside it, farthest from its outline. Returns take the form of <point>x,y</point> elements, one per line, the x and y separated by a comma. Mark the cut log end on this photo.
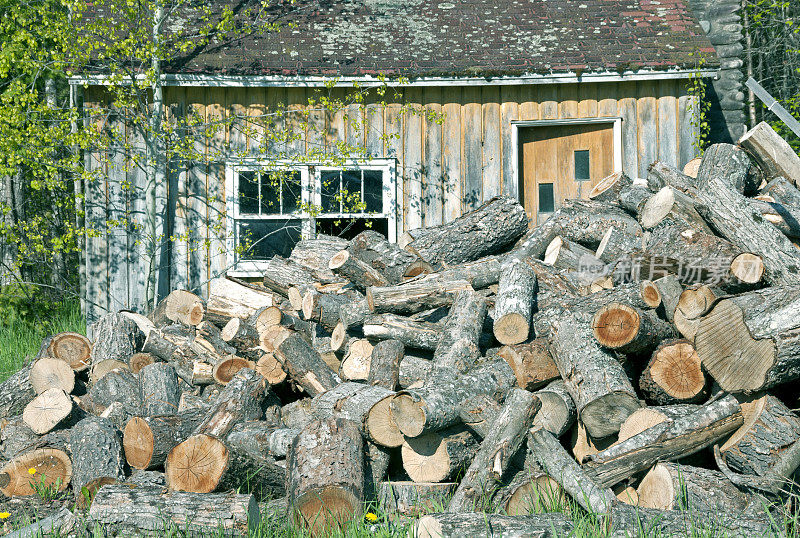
<point>409,415</point>
<point>338,260</point>
<point>639,421</point>
<point>656,489</point>
<point>657,207</point>
<point>45,411</point>
<point>608,183</point>
<point>196,464</point>
<point>511,329</point>
<point>752,408</point>
<point>48,373</point>
<point>381,426</point>
<point>417,268</point>
<point>307,306</point>
<point>325,509</point>
<point>676,369</point>
<point>138,442</point>
<point>338,336</point>
<point>72,348</point>
<point>748,268</point>
<point>605,415</point>
<point>425,458</point>
<point>270,369</point>
<point>551,253</point>
<point>230,329</point>
<point>615,325</point>
<point>50,465</point>
<point>540,494</point>
<point>228,367</point>
<point>139,361</point>
<point>267,318</point>
<point>295,298</point>
<point>650,294</point>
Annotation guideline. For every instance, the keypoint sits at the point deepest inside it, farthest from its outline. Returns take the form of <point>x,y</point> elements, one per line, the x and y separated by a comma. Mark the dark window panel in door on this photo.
<point>351,191</point>
<point>248,193</point>
<point>582,165</point>
<point>373,191</point>
<point>547,201</point>
<point>291,192</point>
<point>271,193</point>
<point>329,187</point>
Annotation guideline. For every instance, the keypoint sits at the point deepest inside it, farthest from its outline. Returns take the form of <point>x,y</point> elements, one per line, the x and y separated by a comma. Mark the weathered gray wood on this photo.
<point>631,520</point>
<point>394,263</point>
<point>514,302</point>
<point>674,374</point>
<point>436,405</point>
<point>259,437</point>
<point>281,273</point>
<point>666,441</point>
<point>359,273</point>
<point>16,437</point>
<point>116,386</point>
<point>448,525</point>
<point>670,288</point>
<point>149,509</point>
<point>414,498</point>
<point>660,175</point>
<point>492,461</point>
<point>557,413</point>
<point>231,298</point>
<point>486,230</point>
<point>384,368</point>
<point>415,296</point>
<point>324,307</point>
<point>326,475</point>
<point>616,244</point>
<point>96,450</point>
<point>412,333</point>
<point>239,401</point>
<point>148,440</point>
<point>16,392</point>
<point>596,381</point>
<point>730,163</point>
<point>480,273</point>
<point>479,413</point>
<point>749,342</point>
<point>608,189</point>
<point>315,254</point>
<point>458,346</point>
<point>633,198</point>
<point>772,153</point>
<point>116,337</point>
<point>728,213</point>
<point>439,456</point>
<point>305,366</point>
<point>414,370</point>
<point>159,391</point>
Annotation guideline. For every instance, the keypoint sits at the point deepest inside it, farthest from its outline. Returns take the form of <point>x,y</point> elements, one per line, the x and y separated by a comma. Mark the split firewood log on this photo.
<point>96,452</point>
<point>384,366</point>
<point>670,288</point>
<point>458,347</point>
<point>414,296</point>
<point>570,256</point>
<point>72,348</point>
<point>557,413</point>
<point>496,450</point>
<point>480,273</point>
<point>783,192</point>
<point>772,153</point>
<point>670,486</point>
<point>239,401</point>
<point>257,437</point>
<point>148,440</point>
<point>280,274</point>
<point>732,164</point>
<point>486,230</point>
<point>596,381</point>
<point>226,369</point>
<point>241,334</point>
<point>692,167</point>
<point>746,342</point>
<point>116,336</point>
<point>414,498</point>
<point>412,333</point>
<point>352,313</point>
<point>48,373</point>
<point>694,302</point>
<point>670,203</point>
<point>304,365</point>
<point>669,440</point>
<point>660,175</point>
<point>514,302</point>
<point>414,370</point>
<point>437,456</point>
<point>179,306</point>
<point>359,273</point>
<point>436,405</point>
<point>394,263</point>
<point>49,409</point>
<point>316,253</point>
<point>633,198</point>
<point>324,307</point>
<point>229,298</point>
<point>53,469</point>
<point>159,391</point>
<point>647,417</point>
<point>769,430</point>
<point>674,374</point>
<point>532,363</point>
<point>629,330</point>
<point>630,520</point>
<point>730,215</point>
<point>137,510</point>
<point>608,188</point>
<point>616,244</point>
<point>325,497</point>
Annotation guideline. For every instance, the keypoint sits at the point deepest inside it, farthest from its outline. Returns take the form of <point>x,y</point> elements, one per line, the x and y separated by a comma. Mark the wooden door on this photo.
<point>562,162</point>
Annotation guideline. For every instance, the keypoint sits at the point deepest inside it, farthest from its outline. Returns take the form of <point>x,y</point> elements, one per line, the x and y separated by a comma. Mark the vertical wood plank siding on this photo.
<point>453,145</point>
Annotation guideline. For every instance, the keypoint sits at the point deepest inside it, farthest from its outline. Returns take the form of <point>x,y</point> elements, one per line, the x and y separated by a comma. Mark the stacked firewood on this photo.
<point>623,354</point>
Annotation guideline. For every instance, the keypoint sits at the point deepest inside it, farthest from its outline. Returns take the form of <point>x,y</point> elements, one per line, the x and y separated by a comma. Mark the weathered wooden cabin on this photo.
<point>534,99</point>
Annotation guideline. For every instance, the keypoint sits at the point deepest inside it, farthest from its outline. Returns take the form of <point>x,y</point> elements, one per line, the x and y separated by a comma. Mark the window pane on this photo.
<point>270,193</point>
<point>263,239</point>
<point>291,192</point>
<point>330,191</point>
<point>248,193</point>
<point>351,191</point>
<point>546,199</point>
<point>373,191</point>
<point>348,228</point>
<point>582,165</point>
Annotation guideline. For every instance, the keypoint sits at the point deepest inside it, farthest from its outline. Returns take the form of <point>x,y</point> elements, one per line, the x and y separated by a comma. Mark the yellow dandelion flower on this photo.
<point>32,470</point>
<point>371,517</point>
<point>4,515</point>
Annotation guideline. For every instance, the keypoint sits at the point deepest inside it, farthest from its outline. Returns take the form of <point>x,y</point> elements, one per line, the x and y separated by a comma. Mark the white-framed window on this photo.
<point>270,206</point>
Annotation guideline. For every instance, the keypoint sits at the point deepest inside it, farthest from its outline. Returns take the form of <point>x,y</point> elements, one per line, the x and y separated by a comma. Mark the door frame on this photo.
<point>616,122</point>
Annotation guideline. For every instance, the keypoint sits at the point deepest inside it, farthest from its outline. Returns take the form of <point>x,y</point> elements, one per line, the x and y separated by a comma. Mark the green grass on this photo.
<point>21,338</point>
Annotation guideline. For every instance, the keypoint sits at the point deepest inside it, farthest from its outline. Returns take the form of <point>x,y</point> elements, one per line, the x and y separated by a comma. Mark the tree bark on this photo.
<point>239,401</point>
<point>325,497</point>
<point>480,273</point>
<point>557,413</point>
<point>458,346</point>
<point>116,337</point>
<point>772,153</point>
<point>96,452</point>
<point>16,392</point>
<point>532,363</point>
<point>660,175</point>
<point>449,525</point>
<point>305,366</point>
<point>158,389</point>
<point>670,289</point>
<point>116,386</point>
<point>479,413</point>
<point>412,333</point>
<point>667,441</point>
<point>669,486</point>
<point>596,381</point>
<point>647,417</point>
<point>616,245</point>
<point>749,342</point>
<point>608,189</point>
<point>259,437</point>
<point>229,298</point>
<point>415,296</point>
<point>670,203</point>
<point>324,307</point>
<point>491,463</point>
<point>394,263</point>
<point>414,498</point>
<point>730,164</point>
<point>315,254</point>
<point>674,375</point>
<point>148,440</point>
<point>514,303</point>
<point>149,509</point>
<point>436,405</point>
<point>384,368</point>
<point>359,273</point>
<point>481,232</point>
<point>435,457</point>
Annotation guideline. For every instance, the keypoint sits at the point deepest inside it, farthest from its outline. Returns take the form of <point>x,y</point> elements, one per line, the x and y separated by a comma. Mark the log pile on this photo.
<point>619,355</point>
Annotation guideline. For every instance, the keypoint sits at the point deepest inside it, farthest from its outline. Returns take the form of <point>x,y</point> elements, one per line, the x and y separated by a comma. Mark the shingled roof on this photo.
<point>479,38</point>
